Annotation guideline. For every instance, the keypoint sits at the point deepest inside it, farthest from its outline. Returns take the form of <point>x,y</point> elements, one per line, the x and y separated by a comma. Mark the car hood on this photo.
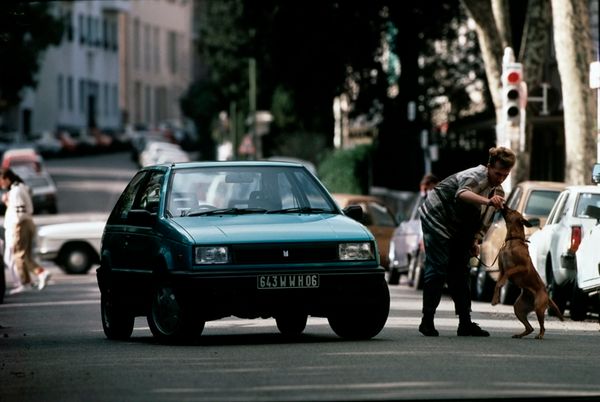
<point>272,228</point>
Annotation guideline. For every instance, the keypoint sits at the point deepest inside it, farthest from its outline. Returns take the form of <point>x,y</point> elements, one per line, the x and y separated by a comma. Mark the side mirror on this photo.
<point>593,212</point>
<point>596,173</point>
<point>141,217</point>
<point>354,211</point>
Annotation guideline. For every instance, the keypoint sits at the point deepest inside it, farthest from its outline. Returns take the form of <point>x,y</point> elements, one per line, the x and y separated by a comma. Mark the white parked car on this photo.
<point>157,152</point>
<point>74,247</point>
<point>553,248</point>
<point>588,255</point>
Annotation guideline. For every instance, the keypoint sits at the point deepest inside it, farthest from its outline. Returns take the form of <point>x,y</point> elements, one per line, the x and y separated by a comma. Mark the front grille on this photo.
<point>284,253</point>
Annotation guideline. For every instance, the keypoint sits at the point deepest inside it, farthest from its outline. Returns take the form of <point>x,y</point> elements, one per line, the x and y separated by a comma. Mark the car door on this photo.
<point>540,241</point>
<point>142,240</point>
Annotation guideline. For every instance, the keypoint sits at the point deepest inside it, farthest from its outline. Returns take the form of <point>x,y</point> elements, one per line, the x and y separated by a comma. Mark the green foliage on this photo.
<point>26,30</point>
<point>347,171</point>
<point>199,104</point>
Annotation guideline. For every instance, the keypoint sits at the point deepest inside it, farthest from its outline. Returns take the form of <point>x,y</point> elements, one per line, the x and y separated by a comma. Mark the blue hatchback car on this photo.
<point>192,242</point>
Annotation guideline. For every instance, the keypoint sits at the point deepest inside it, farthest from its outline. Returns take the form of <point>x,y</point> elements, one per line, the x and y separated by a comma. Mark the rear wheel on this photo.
<point>484,285</point>
<point>291,324</point>
<point>362,319</point>
<point>579,304</point>
<point>117,321</point>
<point>168,319</point>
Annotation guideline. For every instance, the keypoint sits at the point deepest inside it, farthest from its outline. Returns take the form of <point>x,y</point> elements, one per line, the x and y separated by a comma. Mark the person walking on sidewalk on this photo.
<point>20,231</point>
<point>454,217</point>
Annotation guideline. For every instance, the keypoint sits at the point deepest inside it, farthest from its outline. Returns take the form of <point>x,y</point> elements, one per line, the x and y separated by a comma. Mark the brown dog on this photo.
<point>515,264</point>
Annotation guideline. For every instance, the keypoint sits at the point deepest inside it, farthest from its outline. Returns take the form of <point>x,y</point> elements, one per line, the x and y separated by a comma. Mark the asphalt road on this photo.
<point>52,347</point>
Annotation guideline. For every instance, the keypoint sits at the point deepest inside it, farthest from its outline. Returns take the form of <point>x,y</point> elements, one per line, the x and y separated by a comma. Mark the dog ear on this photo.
<point>526,223</point>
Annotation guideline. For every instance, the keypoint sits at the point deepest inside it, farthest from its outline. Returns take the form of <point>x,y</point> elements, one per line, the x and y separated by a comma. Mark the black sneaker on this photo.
<point>428,330</point>
<point>471,329</point>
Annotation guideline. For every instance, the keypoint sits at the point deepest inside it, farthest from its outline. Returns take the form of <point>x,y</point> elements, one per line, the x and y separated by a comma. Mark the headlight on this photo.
<point>211,255</point>
<point>356,251</point>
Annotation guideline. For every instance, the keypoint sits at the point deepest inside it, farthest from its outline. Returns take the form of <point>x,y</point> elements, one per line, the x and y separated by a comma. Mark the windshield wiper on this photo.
<point>299,210</point>
<point>228,211</point>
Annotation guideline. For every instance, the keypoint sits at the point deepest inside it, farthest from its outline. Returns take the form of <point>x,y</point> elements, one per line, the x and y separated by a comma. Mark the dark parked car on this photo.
<point>193,242</point>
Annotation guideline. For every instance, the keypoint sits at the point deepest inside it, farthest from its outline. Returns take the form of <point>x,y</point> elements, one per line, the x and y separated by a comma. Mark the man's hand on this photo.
<point>496,201</point>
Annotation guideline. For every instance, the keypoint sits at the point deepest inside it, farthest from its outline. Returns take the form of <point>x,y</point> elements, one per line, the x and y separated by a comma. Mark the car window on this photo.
<point>540,202</point>
<point>149,195</point>
<point>560,208</point>
<point>514,198</point>
<point>125,202</point>
<point>585,200</point>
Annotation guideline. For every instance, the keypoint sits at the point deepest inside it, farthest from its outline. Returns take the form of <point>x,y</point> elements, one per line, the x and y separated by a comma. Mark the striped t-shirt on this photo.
<point>450,216</point>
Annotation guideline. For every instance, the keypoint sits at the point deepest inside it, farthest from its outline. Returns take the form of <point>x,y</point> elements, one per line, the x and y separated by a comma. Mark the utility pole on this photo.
<point>252,107</point>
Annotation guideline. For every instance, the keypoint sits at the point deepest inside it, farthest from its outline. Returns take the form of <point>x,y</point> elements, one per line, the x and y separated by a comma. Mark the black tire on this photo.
<point>394,276</point>
<point>77,258</point>
<point>484,285</point>
<point>168,319</point>
<point>2,281</point>
<point>509,293</point>
<point>117,321</point>
<point>556,292</point>
<point>578,307</point>
<point>291,324</point>
<point>419,270</point>
<point>362,320</point>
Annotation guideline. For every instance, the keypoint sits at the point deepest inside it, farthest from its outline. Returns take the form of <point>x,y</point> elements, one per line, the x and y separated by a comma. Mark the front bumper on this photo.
<point>222,294</point>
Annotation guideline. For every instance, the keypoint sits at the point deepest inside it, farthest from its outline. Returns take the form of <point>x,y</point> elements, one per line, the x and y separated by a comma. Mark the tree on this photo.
<point>26,30</point>
<point>572,43</point>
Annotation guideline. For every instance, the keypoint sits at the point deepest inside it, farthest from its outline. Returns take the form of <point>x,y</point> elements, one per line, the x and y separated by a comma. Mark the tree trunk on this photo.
<point>572,42</point>
<point>533,55</point>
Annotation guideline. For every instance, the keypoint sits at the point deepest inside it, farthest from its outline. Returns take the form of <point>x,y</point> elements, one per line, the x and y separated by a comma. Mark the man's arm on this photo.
<point>468,196</point>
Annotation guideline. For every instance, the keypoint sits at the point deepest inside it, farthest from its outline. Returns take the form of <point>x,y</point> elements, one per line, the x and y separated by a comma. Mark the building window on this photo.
<point>106,100</point>
<point>137,102</point>
<point>172,51</point>
<point>68,21</point>
<point>147,47</point>
<point>60,92</point>
<point>81,29</point>
<point>82,95</point>
<point>70,93</point>
<point>156,50</point>
<point>136,44</point>
<point>148,104</point>
<point>115,97</point>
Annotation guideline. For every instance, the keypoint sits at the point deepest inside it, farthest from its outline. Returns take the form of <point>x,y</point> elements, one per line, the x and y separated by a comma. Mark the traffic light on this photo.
<point>512,93</point>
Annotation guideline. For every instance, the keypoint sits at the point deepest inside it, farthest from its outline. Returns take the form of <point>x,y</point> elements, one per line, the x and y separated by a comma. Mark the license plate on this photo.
<point>291,281</point>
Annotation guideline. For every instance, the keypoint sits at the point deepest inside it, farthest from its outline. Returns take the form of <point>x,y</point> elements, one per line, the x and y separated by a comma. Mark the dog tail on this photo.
<point>556,310</point>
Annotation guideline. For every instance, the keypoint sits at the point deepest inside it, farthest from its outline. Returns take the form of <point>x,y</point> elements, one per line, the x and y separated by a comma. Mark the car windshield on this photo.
<point>244,189</point>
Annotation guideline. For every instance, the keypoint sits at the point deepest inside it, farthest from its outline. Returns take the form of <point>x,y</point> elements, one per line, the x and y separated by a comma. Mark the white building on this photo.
<point>156,64</point>
<point>120,62</point>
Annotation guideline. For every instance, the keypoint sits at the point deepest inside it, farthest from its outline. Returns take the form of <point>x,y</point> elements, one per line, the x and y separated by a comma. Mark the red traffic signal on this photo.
<point>512,76</point>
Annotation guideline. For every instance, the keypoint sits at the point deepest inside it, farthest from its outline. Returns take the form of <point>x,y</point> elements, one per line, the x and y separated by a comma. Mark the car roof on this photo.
<point>205,164</point>
<point>584,188</point>
<point>538,184</point>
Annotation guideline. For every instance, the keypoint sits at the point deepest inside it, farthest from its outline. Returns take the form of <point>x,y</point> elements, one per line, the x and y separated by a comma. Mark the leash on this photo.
<point>500,249</point>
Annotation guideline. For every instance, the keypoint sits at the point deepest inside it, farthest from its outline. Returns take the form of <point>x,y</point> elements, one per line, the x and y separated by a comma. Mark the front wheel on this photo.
<point>117,321</point>
<point>168,320</point>
<point>394,276</point>
<point>363,320</point>
<point>291,324</point>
